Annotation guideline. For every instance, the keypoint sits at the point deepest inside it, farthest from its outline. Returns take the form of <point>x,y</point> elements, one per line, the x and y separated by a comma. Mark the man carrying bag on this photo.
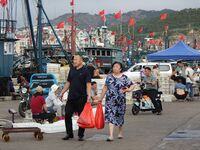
<point>79,85</point>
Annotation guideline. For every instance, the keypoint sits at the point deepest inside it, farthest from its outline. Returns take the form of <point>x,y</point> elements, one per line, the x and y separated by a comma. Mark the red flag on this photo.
<point>151,41</point>
<point>166,27</point>
<point>151,34</point>
<point>123,39</point>
<point>181,37</point>
<point>3,2</point>
<point>129,42</point>
<point>69,19</point>
<point>131,22</point>
<point>102,13</point>
<point>118,15</point>
<point>72,3</point>
<point>60,25</point>
<point>141,29</point>
<point>103,18</point>
<point>113,33</point>
<point>163,16</point>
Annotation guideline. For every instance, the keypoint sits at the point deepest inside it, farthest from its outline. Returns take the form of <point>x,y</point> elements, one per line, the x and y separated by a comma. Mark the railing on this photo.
<point>7,29</point>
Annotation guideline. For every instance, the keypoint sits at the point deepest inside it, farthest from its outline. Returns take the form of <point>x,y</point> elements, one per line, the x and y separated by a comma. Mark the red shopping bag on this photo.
<point>99,117</point>
<point>86,119</point>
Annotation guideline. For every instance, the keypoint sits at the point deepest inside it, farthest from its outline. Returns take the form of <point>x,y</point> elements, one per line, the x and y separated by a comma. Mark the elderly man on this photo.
<point>79,85</point>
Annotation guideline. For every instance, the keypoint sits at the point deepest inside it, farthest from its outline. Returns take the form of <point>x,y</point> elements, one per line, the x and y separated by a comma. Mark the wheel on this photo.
<point>22,109</point>
<point>35,134</point>
<point>135,110</point>
<point>39,136</point>
<point>6,138</point>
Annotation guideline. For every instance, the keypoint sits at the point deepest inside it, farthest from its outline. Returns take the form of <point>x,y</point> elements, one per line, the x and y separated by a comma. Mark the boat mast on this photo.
<point>39,36</point>
<point>26,2</point>
<point>73,31</point>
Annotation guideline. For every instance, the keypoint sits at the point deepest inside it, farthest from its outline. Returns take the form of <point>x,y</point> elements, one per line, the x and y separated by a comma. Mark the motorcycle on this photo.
<point>24,104</point>
<point>143,102</point>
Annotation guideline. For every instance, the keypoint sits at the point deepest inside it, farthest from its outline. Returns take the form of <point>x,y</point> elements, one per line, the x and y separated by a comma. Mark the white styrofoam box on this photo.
<point>53,65</point>
<point>55,127</point>
<point>167,97</point>
<point>172,89</point>
<point>53,68</point>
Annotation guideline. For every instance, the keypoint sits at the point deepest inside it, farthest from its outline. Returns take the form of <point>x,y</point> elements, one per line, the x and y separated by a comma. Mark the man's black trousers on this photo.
<point>73,106</point>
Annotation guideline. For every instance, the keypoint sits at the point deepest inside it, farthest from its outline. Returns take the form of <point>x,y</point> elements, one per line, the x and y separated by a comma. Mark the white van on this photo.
<point>134,72</point>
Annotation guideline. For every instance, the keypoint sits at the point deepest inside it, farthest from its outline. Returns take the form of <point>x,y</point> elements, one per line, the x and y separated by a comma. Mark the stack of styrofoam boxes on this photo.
<point>54,69</point>
<point>64,71</point>
<point>172,86</point>
<point>166,85</point>
<point>100,84</point>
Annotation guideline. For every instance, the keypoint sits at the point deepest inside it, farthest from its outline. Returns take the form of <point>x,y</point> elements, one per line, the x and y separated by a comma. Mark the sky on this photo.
<point>93,6</point>
<point>55,8</point>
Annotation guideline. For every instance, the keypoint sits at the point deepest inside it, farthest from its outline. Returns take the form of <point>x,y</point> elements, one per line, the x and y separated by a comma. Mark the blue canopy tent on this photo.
<point>180,51</point>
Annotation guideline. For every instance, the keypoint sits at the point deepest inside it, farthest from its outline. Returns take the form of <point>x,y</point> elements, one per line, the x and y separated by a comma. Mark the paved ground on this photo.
<point>143,132</point>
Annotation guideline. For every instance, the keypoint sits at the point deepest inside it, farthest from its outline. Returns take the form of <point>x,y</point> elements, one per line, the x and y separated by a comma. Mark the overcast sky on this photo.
<point>58,7</point>
<point>55,8</point>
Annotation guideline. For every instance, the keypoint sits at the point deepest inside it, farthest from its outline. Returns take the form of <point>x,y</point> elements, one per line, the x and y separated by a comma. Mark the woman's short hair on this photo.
<point>120,64</point>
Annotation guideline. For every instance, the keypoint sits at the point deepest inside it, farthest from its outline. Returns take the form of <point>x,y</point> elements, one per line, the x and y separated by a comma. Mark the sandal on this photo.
<point>120,137</point>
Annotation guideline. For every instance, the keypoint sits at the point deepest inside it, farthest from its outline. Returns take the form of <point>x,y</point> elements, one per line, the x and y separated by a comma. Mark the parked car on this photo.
<point>134,72</point>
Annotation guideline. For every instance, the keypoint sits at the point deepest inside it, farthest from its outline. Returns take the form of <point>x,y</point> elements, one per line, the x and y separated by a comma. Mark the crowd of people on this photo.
<point>82,89</point>
<point>184,76</point>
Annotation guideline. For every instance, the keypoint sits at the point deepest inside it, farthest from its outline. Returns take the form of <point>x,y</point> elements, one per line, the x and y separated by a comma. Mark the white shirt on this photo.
<point>53,100</point>
<point>189,72</point>
<point>156,73</point>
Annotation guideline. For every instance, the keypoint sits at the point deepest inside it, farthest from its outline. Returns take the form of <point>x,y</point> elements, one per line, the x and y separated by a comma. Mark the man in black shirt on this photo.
<point>79,85</point>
